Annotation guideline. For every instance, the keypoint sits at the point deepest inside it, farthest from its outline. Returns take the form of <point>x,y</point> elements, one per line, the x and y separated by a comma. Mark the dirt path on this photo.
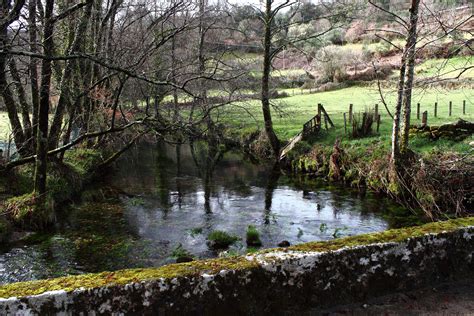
<point>446,299</point>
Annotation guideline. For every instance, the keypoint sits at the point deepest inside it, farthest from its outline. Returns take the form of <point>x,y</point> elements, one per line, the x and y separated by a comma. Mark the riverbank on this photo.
<point>65,180</point>
<point>435,184</point>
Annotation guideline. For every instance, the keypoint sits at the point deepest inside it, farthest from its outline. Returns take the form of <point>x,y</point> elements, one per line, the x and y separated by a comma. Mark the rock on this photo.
<point>284,243</point>
<point>184,259</point>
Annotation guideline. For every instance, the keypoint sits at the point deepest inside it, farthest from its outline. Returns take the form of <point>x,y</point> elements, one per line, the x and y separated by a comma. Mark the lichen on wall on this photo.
<point>312,274</point>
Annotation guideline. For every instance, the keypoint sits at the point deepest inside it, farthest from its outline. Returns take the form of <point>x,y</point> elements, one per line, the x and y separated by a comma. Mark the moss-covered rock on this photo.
<point>27,211</point>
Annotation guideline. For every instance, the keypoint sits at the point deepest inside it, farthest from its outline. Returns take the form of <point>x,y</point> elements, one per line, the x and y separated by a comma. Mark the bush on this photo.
<point>274,94</point>
<point>332,63</point>
<point>220,240</point>
<point>253,237</point>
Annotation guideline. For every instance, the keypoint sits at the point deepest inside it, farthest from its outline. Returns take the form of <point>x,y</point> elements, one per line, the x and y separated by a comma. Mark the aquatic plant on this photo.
<point>338,232</point>
<point>196,231</point>
<point>300,233</point>
<point>323,227</point>
<point>218,239</point>
<point>253,237</point>
<point>137,201</point>
<point>179,252</point>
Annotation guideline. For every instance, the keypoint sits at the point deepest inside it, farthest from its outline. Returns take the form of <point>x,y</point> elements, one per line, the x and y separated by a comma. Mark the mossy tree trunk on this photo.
<point>65,96</point>
<point>46,72</point>
<point>405,85</point>
<point>411,45</point>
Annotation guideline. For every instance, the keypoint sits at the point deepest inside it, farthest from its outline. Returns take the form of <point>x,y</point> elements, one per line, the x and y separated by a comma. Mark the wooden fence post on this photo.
<point>378,122</point>
<point>376,110</point>
<point>325,122</point>
<point>350,112</point>
<point>450,107</point>
<point>424,119</point>
<point>463,107</point>
<point>364,120</point>
<point>436,109</point>
<point>418,111</point>
<point>326,116</point>
<point>319,109</point>
<point>345,124</point>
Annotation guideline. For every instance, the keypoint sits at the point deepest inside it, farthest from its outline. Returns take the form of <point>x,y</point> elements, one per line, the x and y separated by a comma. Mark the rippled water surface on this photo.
<point>172,197</point>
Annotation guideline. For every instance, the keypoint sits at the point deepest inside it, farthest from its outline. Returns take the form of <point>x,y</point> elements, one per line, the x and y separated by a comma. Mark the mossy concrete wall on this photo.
<point>263,283</point>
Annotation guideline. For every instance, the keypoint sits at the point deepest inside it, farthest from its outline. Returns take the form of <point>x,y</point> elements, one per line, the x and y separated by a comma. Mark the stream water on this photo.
<point>164,200</point>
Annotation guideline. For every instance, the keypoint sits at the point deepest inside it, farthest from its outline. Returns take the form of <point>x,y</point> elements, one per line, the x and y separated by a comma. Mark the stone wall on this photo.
<point>269,281</point>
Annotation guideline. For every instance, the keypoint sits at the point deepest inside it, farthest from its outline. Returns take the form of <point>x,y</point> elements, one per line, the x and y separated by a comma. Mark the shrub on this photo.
<point>253,237</point>
<point>355,31</point>
<point>274,94</point>
<point>218,239</point>
<point>332,63</point>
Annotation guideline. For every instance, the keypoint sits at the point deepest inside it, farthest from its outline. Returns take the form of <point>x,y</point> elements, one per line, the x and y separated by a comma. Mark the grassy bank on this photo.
<point>289,114</point>
<point>64,180</point>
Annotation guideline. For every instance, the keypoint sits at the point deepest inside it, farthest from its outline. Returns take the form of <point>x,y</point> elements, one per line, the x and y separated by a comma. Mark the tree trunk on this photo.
<point>411,44</point>
<point>395,154</point>
<point>42,134</point>
<point>33,68</point>
<point>265,96</point>
<point>18,134</point>
<point>25,112</point>
<point>65,93</point>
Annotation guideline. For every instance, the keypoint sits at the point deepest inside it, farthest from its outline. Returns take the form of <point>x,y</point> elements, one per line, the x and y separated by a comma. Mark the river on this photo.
<point>163,200</point>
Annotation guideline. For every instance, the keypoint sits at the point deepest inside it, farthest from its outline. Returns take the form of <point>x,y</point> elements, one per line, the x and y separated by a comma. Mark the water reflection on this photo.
<point>210,189</point>
<point>177,195</point>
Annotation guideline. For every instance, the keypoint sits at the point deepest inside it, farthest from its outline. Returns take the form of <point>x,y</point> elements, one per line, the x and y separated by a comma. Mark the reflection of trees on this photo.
<point>163,186</point>
<point>270,187</point>
<point>206,156</point>
<point>179,188</point>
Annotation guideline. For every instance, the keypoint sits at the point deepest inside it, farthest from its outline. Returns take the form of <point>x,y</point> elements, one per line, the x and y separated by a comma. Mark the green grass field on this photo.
<point>291,113</point>
<point>447,68</point>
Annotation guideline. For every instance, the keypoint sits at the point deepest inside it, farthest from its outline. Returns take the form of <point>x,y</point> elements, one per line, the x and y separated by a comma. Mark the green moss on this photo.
<point>82,160</point>
<point>392,235</point>
<point>125,276</point>
<point>25,210</point>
